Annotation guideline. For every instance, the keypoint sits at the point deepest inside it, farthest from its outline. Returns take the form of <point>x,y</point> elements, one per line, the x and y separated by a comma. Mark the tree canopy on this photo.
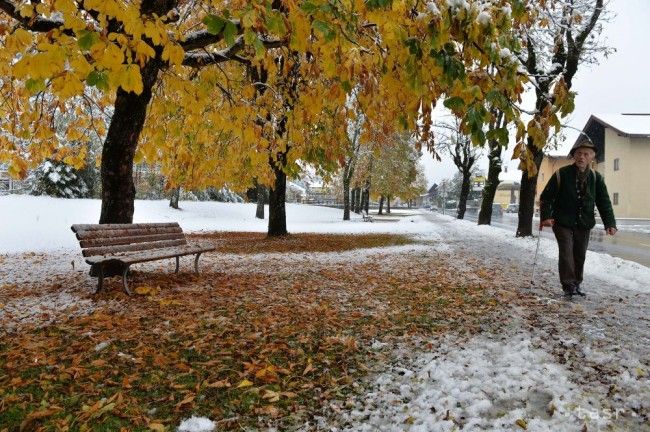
<point>221,91</point>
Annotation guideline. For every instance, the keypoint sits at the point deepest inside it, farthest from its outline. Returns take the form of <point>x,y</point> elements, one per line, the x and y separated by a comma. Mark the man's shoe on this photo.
<point>568,290</point>
<point>576,290</point>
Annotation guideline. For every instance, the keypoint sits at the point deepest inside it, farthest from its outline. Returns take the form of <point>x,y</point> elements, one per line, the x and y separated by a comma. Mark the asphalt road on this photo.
<point>630,242</point>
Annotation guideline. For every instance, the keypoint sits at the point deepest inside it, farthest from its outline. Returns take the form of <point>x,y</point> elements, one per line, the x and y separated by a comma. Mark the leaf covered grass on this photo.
<point>251,242</point>
<point>256,345</point>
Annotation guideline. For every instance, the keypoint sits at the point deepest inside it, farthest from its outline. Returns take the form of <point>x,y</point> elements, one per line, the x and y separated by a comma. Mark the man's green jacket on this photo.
<point>559,200</point>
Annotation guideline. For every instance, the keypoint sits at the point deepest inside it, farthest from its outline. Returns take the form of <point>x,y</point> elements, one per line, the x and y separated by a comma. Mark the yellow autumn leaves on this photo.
<point>217,122</point>
<point>77,48</point>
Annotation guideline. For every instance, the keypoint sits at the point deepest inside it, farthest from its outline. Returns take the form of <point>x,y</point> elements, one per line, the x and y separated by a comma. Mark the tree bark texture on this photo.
<point>357,200</point>
<point>176,193</point>
<point>277,197</point>
<point>464,193</point>
<point>388,204</point>
<point>346,195</point>
<point>527,194</point>
<point>491,185</point>
<point>118,189</point>
<point>261,200</point>
<point>381,205</point>
<point>365,194</point>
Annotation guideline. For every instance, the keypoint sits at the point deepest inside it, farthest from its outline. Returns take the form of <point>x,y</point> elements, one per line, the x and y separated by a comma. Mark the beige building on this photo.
<point>549,165</point>
<point>623,143</point>
<point>507,193</point>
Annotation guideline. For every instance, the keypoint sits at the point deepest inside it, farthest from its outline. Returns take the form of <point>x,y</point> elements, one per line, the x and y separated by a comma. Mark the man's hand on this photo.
<point>611,230</point>
<point>546,222</point>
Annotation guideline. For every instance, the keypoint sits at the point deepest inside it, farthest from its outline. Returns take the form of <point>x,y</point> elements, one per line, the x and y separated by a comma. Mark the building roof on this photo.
<point>296,187</point>
<point>509,185</point>
<point>630,124</point>
<point>635,125</point>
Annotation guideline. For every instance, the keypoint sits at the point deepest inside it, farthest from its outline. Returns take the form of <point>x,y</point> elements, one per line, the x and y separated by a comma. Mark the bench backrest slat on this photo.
<point>109,239</point>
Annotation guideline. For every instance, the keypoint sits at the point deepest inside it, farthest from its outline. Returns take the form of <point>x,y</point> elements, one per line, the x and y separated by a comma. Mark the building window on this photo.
<point>616,164</point>
<point>615,198</point>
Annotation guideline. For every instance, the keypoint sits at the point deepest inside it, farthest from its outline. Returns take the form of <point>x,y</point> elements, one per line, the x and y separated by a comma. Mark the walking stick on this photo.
<point>539,236</point>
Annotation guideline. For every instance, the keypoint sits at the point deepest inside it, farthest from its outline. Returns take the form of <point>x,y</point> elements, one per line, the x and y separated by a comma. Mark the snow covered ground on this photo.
<point>556,366</point>
<point>37,224</point>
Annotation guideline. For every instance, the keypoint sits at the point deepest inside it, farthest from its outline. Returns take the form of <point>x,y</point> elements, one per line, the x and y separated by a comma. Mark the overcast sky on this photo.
<point>619,84</point>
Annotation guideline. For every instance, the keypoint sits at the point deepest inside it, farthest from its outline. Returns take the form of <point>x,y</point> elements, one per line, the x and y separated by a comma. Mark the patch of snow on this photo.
<point>54,176</point>
<point>197,424</point>
<point>433,8</point>
<point>484,18</point>
<point>102,345</point>
<point>458,4</point>
<point>483,384</point>
<point>505,53</point>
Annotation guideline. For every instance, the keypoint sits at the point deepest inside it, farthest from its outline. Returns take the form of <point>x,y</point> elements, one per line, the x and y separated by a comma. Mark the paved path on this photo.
<point>606,335</point>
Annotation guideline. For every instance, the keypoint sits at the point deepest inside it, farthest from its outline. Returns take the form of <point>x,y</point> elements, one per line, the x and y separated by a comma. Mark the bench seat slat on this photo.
<point>114,241</point>
<point>113,250</point>
<point>151,255</point>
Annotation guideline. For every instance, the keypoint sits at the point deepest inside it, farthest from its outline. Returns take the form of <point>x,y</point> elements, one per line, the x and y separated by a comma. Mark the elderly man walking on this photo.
<point>567,205</point>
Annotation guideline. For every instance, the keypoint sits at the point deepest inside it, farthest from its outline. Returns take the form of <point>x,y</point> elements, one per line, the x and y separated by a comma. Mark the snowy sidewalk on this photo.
<point>556,365</point>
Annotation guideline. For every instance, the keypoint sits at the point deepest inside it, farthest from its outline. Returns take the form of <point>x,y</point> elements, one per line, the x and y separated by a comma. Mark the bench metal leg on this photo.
<point>196,263</point>
<point>100,278</point>
<point>124,282</point>
<point>177,262</point>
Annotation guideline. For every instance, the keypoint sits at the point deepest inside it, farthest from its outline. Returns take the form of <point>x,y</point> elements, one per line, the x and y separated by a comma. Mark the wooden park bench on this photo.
<point>111,249</point>
<point>366,217</point>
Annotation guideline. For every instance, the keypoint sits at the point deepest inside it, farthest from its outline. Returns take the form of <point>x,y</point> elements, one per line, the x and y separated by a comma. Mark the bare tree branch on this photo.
<point>203,38</point>
<point>199,59</point>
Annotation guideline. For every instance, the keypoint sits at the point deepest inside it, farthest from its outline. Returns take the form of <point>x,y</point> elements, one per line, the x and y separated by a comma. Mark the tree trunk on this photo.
<point>176,193</point>
<point>277,196</point>
<point>464,193</point>
<point>527,193</point>
<point>366,204</point>
<point>528,186</point>
<point>490,189</point>
<point>346,196</point>
<point>381,205</point>
<point>364,200</point>
<point>357,200</point>
<point>388,204</point>
<point>118,189</point>
<point>261,200</point>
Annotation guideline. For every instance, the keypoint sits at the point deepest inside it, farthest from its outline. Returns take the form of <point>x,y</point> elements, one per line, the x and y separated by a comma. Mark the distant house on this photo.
<point>507,193</point>
<point>316,192</point>
<point>623,143</point>
<point>429,197</point>
<point>295,192</point>
<point>478,183</point>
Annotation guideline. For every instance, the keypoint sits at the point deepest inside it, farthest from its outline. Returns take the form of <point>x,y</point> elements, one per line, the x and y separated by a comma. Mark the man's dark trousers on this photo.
<point>573,244</point>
